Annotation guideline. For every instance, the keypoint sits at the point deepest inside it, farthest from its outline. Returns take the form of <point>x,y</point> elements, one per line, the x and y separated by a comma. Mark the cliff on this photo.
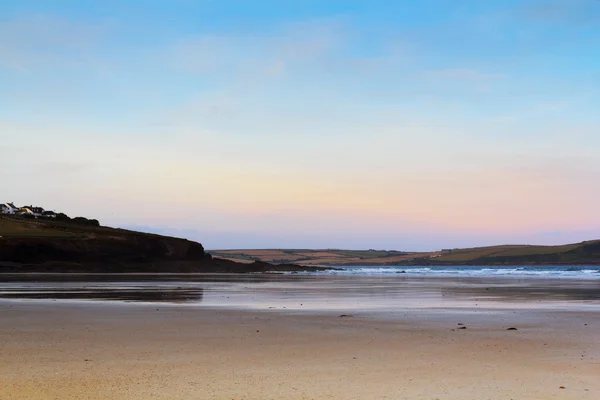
<point>49,246</point>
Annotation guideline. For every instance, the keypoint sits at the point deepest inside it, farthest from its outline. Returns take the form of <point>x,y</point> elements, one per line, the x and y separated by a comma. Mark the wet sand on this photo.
<point>115,350</point>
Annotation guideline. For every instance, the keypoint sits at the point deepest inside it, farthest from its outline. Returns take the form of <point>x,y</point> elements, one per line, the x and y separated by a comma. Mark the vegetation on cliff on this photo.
<point>35,245</point>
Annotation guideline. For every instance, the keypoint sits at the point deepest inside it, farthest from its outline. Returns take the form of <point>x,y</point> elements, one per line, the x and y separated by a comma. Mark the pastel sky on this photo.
<point>409,125</point>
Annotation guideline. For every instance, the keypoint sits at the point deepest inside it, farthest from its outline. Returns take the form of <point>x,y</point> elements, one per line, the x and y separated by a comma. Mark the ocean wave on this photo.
<point>517,271</point>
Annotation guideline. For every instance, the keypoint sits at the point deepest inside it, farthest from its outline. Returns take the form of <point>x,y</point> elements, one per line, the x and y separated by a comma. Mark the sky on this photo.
<point>407,125</point>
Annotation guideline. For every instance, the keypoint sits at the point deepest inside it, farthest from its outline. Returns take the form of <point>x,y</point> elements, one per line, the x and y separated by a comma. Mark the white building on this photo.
<point>8,208</point>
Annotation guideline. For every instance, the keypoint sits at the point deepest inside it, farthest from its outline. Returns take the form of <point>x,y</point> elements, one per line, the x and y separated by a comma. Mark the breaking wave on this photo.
<point>540,271</point>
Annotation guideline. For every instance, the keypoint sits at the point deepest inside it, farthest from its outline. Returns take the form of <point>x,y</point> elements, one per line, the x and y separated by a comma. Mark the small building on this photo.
<point>25,211</point>
<point>37,211</point>
<point>49,214</point>
<point>31,210</point>
<point>9,208</point>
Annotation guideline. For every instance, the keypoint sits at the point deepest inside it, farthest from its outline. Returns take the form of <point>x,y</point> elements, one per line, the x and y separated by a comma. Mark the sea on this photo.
<point>541,271</point>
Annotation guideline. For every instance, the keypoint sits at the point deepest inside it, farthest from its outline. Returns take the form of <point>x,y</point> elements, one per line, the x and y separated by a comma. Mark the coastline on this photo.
<point>467,264</point>
<point>211,265</point>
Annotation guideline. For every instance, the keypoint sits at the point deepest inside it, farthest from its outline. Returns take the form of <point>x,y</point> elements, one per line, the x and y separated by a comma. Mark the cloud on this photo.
<point>268,54</point>
<point>473,78</point>
<point>33,42</point>
<point>565,171</point>
<point>463,74</point>
<point>562,11</point>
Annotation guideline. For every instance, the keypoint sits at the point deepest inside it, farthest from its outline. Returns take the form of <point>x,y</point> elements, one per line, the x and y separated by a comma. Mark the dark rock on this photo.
<point>463,327</point>
<point>345,316</point>
<point>512,329</point>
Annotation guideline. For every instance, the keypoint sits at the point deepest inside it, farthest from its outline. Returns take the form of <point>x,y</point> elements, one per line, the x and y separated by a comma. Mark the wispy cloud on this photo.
<point>467,78</point>
<point>267,54</point>
<point>562,11</point>
<point>33,42</point>
<point>464,74</point>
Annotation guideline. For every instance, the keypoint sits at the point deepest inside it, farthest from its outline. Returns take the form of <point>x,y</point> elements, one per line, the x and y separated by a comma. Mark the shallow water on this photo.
<point>298,292</point>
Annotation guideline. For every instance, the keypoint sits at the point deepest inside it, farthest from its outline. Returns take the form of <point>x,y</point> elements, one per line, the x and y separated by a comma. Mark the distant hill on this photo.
<point>579,253</point>
<point>36,245</point>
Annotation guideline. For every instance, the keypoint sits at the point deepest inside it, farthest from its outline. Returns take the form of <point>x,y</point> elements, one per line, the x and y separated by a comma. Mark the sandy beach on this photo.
<point>113,350</point>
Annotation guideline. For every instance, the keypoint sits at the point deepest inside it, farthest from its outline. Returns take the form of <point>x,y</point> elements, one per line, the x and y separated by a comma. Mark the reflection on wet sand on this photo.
<point>523,290</point>
<point>145,294</point>
<point>299,292</point>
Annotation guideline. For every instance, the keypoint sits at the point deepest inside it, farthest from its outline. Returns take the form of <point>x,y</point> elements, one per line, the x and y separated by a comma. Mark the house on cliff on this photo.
<point>11,209</point>
<point>37,211</point>
<point>49,214</point>
<point>31,210</point>
<point>8,208</point>
<point>25,211</point>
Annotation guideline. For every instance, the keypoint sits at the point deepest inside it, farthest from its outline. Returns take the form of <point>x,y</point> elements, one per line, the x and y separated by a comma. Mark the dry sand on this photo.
<point>107,351</point>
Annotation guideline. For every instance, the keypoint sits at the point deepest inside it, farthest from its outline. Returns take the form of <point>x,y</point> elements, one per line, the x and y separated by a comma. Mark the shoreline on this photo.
<point>214,265</point>
<point>523,264</point>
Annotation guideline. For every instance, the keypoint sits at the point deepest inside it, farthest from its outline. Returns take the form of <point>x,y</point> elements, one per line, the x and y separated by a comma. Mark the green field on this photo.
<point>580,253</point>
<point>18,227</point>
<point>503,251</point>
<point>14,228</point>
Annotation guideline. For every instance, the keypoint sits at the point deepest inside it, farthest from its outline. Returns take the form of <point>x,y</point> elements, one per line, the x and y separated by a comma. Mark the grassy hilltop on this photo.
<point>580,253</point>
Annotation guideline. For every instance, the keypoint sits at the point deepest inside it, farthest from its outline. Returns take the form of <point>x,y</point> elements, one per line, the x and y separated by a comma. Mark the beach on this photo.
<point>423,348</point>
